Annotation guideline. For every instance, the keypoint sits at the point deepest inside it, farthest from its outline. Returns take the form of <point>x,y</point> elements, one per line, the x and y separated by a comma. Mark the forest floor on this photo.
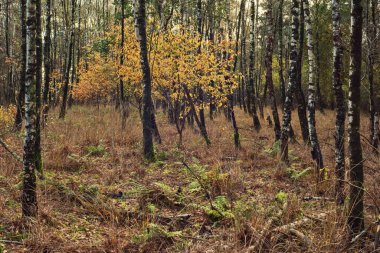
<point>100,195</point>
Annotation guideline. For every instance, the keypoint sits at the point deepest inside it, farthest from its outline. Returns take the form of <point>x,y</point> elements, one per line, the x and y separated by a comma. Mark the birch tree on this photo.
<point>29,196</point>
<point>269,71</point>
<point>280,48</point>
<point>340,104</point>
<point>38,151</point>
<point>315,148</point>
<point>292,81</point>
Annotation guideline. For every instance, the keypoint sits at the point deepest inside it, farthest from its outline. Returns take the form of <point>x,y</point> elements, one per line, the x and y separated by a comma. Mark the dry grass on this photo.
<point>89,160</point>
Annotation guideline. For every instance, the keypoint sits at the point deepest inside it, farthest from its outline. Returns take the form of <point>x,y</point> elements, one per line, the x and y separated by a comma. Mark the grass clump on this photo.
<point>92,150</point>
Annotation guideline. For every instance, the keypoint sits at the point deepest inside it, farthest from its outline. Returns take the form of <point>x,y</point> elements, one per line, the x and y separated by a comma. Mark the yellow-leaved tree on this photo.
<point>181,65</point>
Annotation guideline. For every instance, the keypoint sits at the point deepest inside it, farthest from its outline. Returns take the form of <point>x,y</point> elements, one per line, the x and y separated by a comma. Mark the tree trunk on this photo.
<point>29,196</point>
<point>195,115</point>
<point>21,95</point>
<point>251,99</point>
<point>147,103</point>
<point>9,89</point>
<point>122,100</point>
<point>301,101</point>
<point>211,10</point>
<point>38,160</point>
<point>372,49</point>
<point>376,133</point>
<point>280,47</point>
<point>62,112</point>
<point>53,95</point>
<point>230,102</point>
<point>47,61</point>
<point>356,215</point>
<point>340,105</point>
<point>292,82</point>
<point>320,102</point>
<point>269,71</point>
<point>316,150</point>
<point>243,59</point>
<point>200,91</point>
<point>73,72</point>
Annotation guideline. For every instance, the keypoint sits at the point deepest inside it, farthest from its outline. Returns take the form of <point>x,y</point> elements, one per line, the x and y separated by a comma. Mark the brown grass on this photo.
<point>80,212</point>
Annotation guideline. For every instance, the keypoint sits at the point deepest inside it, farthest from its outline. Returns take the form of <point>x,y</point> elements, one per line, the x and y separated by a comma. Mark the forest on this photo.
<point>213,126</point>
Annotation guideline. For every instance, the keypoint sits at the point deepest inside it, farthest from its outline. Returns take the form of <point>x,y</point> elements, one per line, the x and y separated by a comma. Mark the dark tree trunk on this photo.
<point>251,99</point>
<point>320,102</point>
<point>356,213</point>
<point>147,103</point>
<point>79,38</point>
<point>73,72</point>
<point>301,101</point>
<point>200,91</point>
<point>122,99</point>
<point>211,38</point>
<point>54,46</point>
<point>9,89</point>
<point>195,116</point>
<point>372,49</point>
<point>292,86</point>
<point>234,124</point>
<point>21,95</point>
<point>29,195</point>
<point>47,61</point>
<point>62,112</point>
<point>269,71</point>
<point>38,161</point>
<point>376,135</point>
<point>230,103</point>
<point>340,105</point>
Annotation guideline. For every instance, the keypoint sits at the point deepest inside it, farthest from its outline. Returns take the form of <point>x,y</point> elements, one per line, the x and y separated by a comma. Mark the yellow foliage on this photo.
<point>177,59</point>
<point>7,115</point>
<point>97,78</point>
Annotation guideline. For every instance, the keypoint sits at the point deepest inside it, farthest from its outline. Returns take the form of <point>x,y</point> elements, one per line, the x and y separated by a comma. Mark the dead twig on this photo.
<point>6,147</point>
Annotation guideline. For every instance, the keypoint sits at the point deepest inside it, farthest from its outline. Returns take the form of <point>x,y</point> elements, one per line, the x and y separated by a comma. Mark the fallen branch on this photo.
<point>304,221</point>
<point>306,240</point>
<point>361,235</point>
<point>11,242</point>
<point>17,157</point>
<point>309,198</point>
